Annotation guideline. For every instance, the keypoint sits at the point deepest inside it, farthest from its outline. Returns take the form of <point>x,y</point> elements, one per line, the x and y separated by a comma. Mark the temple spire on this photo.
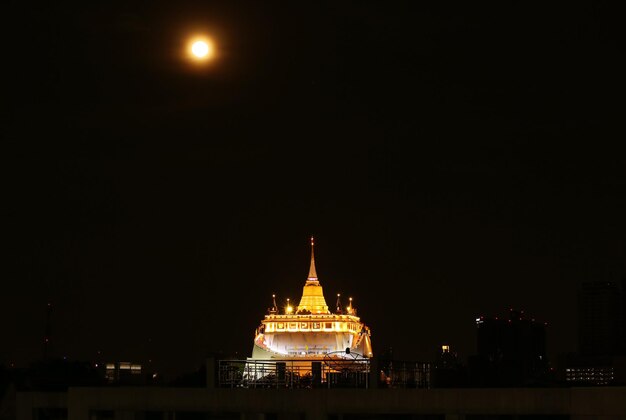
<point>312,300</point>
<point>312,272</point>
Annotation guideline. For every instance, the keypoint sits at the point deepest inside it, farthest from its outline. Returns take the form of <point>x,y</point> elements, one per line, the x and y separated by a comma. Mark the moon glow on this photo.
<point>200,49</point>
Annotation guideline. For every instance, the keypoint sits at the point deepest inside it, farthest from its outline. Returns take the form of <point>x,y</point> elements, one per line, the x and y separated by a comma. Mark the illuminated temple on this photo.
<point>311,330</point>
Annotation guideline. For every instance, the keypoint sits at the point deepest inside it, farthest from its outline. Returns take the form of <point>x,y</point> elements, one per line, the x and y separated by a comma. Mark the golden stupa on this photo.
<point>311,331</point>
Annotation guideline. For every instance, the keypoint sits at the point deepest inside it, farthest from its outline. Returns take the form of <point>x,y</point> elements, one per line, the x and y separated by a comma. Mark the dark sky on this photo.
<point>451,162</point>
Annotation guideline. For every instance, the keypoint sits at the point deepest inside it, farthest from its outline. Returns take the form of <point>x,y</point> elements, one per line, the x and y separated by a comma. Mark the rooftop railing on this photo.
<point>302,373</point>
<point>295,373</point>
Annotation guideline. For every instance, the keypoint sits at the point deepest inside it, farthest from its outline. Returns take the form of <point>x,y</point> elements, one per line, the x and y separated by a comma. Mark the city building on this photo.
<point>123,373</point>
<point>310,330</point>
<point>448,371</point>
<point>599,320</point>
<point>510,351</point>
<point>600,359</point>
<point>590,375</point>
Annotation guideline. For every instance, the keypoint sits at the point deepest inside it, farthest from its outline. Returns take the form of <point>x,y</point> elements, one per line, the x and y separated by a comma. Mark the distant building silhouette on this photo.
<point>447,371</point>
<point>599,319</point>
<point>511,351</point>
<point>600,337</point>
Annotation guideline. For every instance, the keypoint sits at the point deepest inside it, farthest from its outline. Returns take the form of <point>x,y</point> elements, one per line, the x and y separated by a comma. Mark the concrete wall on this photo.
<point>125,403</point>
<point>29,403</point>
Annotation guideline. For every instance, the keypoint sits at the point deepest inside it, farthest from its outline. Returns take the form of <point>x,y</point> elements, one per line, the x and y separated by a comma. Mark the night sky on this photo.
<point>451,162</point>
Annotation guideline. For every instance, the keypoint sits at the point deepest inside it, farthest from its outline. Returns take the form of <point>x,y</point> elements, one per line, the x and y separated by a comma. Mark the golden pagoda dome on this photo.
<point>312,300</point>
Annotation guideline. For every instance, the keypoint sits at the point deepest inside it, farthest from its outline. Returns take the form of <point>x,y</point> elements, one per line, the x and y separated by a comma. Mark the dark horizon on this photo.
<point>451,163</point>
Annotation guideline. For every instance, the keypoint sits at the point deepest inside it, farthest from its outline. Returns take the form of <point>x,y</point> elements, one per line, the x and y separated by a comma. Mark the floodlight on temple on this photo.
<point>311,330</point>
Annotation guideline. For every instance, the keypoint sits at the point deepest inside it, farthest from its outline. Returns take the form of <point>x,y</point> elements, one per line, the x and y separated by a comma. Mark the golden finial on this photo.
<point>274,306</point>
<point>312,273</point>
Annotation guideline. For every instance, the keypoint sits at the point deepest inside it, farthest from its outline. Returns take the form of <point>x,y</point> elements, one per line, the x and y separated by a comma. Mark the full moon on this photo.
<point>200,49</point>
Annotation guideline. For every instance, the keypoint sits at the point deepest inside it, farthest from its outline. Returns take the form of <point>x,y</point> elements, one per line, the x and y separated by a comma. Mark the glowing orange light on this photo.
<point>201,49</point>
